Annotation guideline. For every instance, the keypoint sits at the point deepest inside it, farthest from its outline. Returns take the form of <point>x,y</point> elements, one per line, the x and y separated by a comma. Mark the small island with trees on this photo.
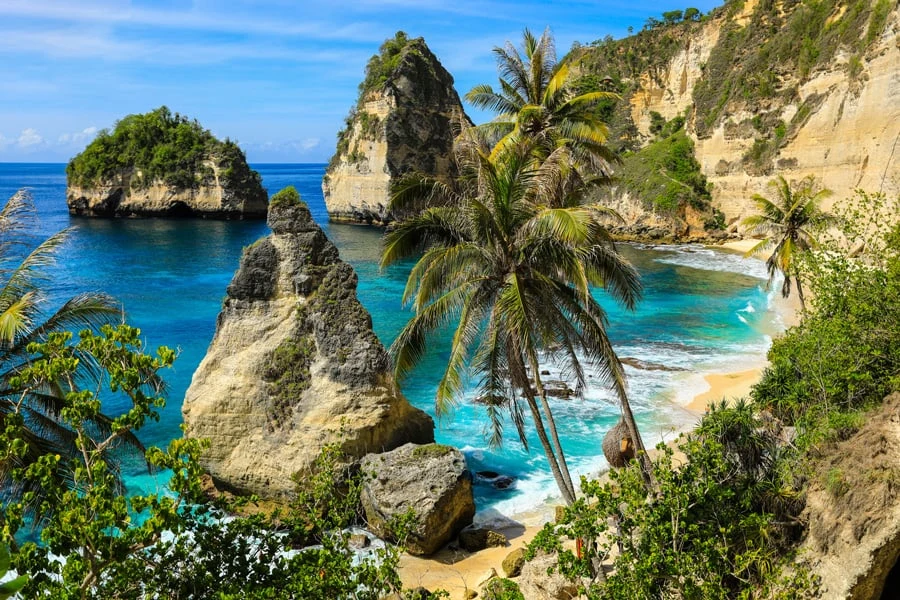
<point>165,165</point>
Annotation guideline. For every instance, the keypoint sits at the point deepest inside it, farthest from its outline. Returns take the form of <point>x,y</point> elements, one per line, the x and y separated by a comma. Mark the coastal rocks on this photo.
<point>161,164</point>
<point>541,580</point>
<point>853,510</point>
<point>477,539</point>
<point>430,480</point>
<point>406,119</point>
<point>294,366</point>
<point>513,563</point>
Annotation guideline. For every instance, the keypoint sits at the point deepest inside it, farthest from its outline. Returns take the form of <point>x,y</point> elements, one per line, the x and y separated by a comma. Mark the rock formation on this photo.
<point>432,480</point>
<point>161,164</point>
<point>405,121</point>
<point>834,116</point>
<point>294,365</point>
<point>212,198</point>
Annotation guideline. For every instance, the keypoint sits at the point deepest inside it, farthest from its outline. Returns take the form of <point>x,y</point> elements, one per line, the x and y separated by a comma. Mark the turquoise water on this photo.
<point>704,311</point>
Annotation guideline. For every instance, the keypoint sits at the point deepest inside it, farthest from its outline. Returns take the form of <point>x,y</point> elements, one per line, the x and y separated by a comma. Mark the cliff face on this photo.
<point>841,122</point>
<point>853,511</point>
<point>294,365</point>
<point>769,88</point>
<point>405,124</point>
<point>214,195</point>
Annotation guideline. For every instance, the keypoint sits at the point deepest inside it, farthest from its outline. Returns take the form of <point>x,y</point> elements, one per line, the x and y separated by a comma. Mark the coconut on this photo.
<point>618,447</point>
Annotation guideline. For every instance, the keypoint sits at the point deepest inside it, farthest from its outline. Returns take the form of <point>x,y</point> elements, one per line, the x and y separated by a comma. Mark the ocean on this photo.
<point>704,311</point>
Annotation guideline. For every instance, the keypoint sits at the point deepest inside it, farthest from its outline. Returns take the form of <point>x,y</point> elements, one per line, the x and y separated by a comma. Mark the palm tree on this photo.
<point>535,103</point>
<point>790,223</point>
<point>22,321</point>
<point>513,268</point>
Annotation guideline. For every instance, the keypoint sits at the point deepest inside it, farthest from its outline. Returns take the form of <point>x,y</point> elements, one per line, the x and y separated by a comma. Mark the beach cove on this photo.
<point>700,333</point>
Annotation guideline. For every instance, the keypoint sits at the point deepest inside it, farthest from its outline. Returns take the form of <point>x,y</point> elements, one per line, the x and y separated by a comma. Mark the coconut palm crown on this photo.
<point>513,269</point>
<point>23,320</point>
<point>535,103</point>
<point>790,223</point>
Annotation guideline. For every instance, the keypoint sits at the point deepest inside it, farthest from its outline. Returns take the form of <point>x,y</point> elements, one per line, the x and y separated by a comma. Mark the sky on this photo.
<point>277,76</point>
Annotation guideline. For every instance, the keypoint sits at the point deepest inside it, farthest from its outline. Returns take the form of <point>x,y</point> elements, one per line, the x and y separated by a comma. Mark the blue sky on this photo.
<point>277,76</point>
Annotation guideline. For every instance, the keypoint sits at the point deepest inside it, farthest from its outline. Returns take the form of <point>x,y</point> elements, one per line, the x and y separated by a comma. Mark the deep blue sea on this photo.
<point>704,311</point>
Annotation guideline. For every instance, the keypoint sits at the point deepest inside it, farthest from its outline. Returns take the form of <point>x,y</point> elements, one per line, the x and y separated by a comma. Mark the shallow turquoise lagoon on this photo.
<point>704,311</point>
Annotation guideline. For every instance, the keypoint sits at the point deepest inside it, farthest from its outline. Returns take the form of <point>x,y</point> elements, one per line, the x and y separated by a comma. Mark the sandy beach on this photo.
<point>457,571</point>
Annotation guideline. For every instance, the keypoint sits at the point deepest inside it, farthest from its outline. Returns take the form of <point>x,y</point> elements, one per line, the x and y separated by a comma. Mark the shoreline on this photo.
<point>457,571</point>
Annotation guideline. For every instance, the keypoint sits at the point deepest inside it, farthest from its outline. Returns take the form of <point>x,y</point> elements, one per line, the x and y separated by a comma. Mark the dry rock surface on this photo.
<point>294,365</point>
<point>430,480</point>
<point>406,125</point>
<point>215,196</point>
<point>853,509</point>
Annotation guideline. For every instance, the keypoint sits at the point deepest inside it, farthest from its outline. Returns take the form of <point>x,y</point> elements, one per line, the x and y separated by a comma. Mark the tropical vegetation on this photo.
<point>730,507</point>
<point>510,256</point>
<point>535,102</point>
<point>790,223</point>
<point>24,276</point>
<point>159,146</point>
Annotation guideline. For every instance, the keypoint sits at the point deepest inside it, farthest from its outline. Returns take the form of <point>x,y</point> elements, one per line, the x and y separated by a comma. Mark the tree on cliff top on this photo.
<point>535,103</point>
<point>790,223</point>
<point>514,266</point>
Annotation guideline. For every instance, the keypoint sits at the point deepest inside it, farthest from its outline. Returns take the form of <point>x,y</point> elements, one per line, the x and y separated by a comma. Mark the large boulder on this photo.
<point>161,164</point>
<point>294,366</point>
<point>432,480</point>
<point>405,120</point>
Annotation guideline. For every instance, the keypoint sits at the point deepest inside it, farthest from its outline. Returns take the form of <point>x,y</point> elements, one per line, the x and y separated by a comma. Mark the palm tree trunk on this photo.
<point>800,294</point>
<point>551,422</point>
<point>564,486</point>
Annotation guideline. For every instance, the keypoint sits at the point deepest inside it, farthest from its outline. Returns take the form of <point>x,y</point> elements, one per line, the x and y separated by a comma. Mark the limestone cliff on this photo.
<point>405,121</point>
<point>764,88</point>
<point>162,164</point>
<point>294,365</point>
<point>214,196</point>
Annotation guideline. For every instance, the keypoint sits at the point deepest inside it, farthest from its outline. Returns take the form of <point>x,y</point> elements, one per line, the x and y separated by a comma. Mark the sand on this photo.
<point>458,571</point>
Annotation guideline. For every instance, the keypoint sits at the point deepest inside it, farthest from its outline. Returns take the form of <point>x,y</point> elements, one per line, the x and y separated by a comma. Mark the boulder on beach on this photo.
<point>431,481</point>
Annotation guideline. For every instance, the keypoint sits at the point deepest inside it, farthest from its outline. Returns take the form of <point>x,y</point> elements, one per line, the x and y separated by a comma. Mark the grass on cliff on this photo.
<point>665,175</point>
<point>378,70</point>
<point>159,146</point>
<point>771,55</point>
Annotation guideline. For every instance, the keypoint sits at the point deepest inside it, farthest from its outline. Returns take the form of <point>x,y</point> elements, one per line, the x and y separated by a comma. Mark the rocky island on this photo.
<point>294,365</point>
<point>405,120</point>
<point>161,164</point>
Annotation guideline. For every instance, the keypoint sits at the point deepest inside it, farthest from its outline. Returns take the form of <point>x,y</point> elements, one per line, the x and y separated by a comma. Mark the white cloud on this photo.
<point>78,138</point>
<point>310,143</point>
<point>30,137</point>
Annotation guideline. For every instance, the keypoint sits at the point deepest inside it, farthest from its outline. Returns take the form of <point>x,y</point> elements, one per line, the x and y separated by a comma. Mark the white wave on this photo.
<point>708,259</point>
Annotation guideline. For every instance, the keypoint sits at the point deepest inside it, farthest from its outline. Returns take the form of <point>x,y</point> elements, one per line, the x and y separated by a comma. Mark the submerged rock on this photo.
<point>432,481</point>
<point>294,366</point>
<point>405,121</point>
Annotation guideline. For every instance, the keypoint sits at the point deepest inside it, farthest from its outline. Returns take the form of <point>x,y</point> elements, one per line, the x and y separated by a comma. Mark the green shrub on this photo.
<point>665,174</point>
<point>288,196</point>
